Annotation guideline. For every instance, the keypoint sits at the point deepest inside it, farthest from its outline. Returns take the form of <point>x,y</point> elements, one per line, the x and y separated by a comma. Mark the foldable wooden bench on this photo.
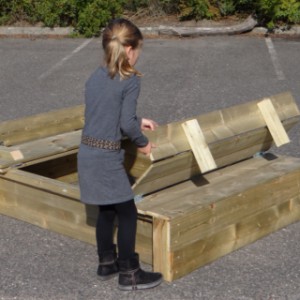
<point>209,187</point>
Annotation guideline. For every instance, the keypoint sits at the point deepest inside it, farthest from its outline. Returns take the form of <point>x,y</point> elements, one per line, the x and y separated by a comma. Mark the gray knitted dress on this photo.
<point>110,113</point>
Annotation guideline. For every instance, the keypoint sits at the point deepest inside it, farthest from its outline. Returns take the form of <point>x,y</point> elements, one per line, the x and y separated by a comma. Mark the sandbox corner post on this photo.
<point>162,256</point>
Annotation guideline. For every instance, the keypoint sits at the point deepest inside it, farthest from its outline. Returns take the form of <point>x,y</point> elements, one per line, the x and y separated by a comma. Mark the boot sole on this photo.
<point>107,277</point>
<point>140,286</point>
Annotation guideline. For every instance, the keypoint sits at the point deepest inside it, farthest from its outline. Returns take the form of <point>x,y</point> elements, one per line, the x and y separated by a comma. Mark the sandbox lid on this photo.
<point>230,135</point>
<point>41,137</point>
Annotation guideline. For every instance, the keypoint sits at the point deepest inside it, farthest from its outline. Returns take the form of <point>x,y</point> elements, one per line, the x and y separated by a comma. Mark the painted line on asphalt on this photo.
<point>275,60</point>
<point>63,60</point>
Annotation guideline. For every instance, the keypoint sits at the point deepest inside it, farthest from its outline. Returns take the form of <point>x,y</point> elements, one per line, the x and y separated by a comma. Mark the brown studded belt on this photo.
<point>102,144</point>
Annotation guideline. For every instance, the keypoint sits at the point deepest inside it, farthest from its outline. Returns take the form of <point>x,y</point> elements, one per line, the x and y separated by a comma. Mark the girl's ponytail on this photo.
<point>119,34</point>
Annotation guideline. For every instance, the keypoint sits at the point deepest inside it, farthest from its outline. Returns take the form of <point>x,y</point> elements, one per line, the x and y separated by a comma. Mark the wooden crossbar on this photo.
<point>273,122</point>
<point>199,146</point>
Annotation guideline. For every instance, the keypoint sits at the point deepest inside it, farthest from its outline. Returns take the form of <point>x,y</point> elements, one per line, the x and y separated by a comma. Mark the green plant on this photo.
<point>289,11</point>
<point>244,5</point>
<point>267,11</point>
<point>170,6</point>
<point>4,12</point>
<point>226,7</point>
<point>194,9</point>
<point>16,10</point>
<point>96,15</point>
<point>134,5</point>
<point>88,16</point>
<point>270,12</point>
<point>58,12</point>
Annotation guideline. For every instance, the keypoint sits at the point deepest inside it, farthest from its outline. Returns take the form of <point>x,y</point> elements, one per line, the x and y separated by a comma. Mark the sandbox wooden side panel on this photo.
<point>234,236</point>
<point>47,210</point>
<point>212,217</point>
<point>41,201</point>
<point>233,222</point>
<point>198,222</point>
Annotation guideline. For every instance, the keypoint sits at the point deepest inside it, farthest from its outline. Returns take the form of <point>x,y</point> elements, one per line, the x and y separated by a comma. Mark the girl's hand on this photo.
<point>147,149</point>
<point>148,124</point>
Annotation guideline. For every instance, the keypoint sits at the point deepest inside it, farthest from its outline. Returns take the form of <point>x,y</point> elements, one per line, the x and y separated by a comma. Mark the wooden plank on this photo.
<point>237,120</point>
<point>50,205</point>
<point>273,122</point>
<point>199,146</point>
<point>208,219</point>
<point>162,259</point>
<point>235,236</point>
<point>45,209</point>
<point>13,132</point>
<point>180,167</point>
<point>41,183</point>
<point>218,185</point>
<point>144,239</point>
<point>69,178</point>
<point>42,149</point>
<point>165,173</point>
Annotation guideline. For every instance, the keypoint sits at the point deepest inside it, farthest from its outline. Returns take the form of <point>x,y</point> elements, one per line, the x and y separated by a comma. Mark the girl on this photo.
<point>110,112</point>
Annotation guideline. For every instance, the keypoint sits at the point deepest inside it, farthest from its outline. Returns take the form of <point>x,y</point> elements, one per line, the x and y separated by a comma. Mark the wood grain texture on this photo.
<point>186,218</point>
<point>199,146</point>
<point>42,125</point>
<point>273,122</point>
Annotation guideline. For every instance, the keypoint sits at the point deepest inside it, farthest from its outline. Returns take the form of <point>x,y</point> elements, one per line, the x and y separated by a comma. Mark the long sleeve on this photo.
<point>130,125</point>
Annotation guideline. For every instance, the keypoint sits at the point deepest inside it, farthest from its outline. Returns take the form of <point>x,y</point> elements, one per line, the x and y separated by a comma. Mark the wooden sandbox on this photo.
<point>207,189</point>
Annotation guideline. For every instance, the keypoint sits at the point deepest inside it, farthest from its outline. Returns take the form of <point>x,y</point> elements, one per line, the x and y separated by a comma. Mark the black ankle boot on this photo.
<point>108,266</point>
<point>132,277</point>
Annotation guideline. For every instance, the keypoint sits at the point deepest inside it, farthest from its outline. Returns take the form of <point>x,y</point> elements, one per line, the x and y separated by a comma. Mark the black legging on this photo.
<point>127,219</point>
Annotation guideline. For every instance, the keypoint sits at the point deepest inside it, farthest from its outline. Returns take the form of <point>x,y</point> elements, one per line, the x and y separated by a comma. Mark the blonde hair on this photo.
<point>119,34</point>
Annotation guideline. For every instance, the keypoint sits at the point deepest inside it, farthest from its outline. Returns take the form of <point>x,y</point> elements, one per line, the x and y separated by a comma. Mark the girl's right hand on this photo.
<point>147,149</point>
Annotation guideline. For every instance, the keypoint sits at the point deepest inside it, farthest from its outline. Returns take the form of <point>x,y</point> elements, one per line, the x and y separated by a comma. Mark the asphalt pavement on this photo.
<point>182,78</point>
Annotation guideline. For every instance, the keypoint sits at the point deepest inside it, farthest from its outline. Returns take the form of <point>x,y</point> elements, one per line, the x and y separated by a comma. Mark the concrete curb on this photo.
<point>292,31</point>
<point>35,31</point>
<point>248,25</point>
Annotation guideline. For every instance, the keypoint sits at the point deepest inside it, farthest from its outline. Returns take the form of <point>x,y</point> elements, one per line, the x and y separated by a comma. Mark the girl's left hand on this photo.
<point>147,149</point>
<point>148,124</point>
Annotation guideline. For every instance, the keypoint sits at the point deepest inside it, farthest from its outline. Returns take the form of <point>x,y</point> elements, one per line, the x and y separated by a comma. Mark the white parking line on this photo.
<point>63,60</point>
<point>275,60</point>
